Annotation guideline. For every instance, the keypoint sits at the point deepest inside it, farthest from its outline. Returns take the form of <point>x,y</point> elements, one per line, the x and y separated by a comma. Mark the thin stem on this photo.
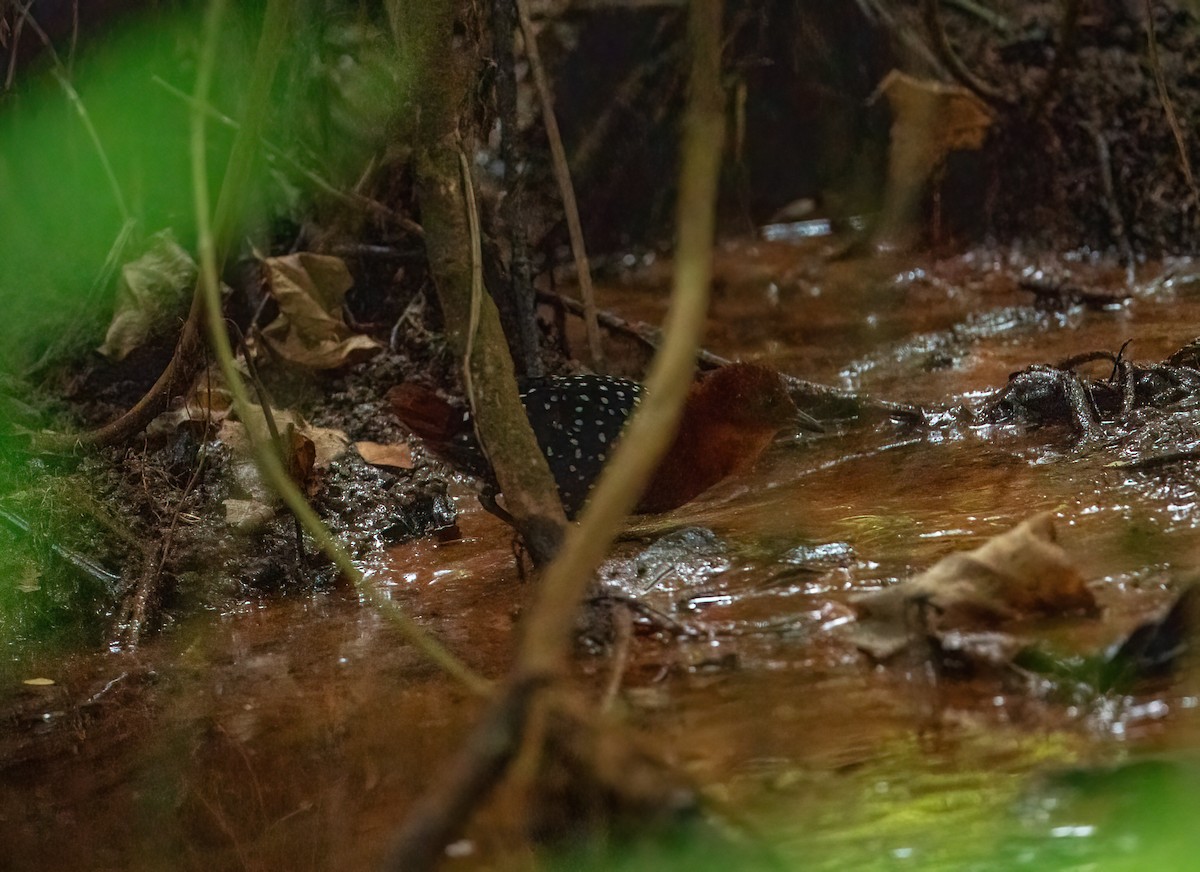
<point>1168,105</point>
<point>649,432</point>
<point>562,173</point>
<point>268,460</point>
<point>320,182</point>
<point>63,77</point>
<point>949,57</point>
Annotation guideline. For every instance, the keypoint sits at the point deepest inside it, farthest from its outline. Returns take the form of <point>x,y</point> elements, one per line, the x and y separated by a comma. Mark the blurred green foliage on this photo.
<point>94,162</point>
<point>972,807</point>
<point>63,215</point>
<point>67,223</point>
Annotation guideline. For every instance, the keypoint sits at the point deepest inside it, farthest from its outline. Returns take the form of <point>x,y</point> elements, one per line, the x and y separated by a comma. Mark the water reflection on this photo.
<point>295,732</point>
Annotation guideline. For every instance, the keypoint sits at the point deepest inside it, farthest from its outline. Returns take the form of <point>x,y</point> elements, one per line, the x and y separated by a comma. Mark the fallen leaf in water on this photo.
<point>1021,573</point>
<point>150,291</point>
<point>310,330</point>
<point>397,455</point>
<point>39,682</point>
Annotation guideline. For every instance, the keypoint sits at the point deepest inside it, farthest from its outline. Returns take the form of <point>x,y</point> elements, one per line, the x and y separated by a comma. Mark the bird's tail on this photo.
<point>427,415</point>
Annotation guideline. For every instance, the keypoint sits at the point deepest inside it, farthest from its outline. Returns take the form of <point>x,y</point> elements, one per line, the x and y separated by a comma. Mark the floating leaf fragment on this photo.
<point>1018,574</point>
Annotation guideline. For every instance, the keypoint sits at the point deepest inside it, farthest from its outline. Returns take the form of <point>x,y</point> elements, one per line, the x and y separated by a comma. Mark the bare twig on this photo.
<point>916,49</point>
<point>275,32</point>
<point>1063,56</point>
<point>138,608</point>
<point>15,42</point>
<point>806,393</point>
<point>620,659</point>
<point>1164,96</point>
<point>1104,160</point>
<point>930,10</point>
<point>468,363</point>
<point>549,624</point>
<point>651,428</point>
<point>180,370</point>
<point>82,562</point>
<point>988,16</point>
<point>562,174</point>
<point>521,302</point>
<point>74,36</point>
<point>284,449</point>
<point>479,765</point>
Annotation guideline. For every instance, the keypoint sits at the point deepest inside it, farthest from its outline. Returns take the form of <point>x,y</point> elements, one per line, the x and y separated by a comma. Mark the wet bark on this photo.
<point>518,290</point>
<point>472,319</point>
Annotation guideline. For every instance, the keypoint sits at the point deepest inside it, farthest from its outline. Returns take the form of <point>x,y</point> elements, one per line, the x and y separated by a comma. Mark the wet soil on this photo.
<point>295,729</point>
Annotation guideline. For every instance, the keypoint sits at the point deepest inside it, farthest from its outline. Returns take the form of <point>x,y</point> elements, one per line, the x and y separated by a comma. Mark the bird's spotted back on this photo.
<point>728,420</point>
<point>577,421</point>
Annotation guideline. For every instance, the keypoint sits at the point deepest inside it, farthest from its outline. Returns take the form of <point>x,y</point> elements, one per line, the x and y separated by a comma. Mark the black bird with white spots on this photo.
<point>729,418</point>
<point>577,420</point>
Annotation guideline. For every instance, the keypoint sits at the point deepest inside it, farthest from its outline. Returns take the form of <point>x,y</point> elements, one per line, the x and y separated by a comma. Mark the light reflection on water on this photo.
<point>889,506</point>
<point>745,676</point>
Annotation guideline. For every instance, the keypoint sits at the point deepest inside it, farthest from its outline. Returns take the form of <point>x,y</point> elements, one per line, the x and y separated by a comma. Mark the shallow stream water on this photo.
<point>294,731</point>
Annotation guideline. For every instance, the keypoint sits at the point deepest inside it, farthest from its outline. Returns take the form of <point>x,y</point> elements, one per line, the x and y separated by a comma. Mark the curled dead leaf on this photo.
<point>308,448</point>
<point>206,405</point>
<point>311,330</point>
<point>300,456</point>
<point>150,290</point>
<point>1021,573</point>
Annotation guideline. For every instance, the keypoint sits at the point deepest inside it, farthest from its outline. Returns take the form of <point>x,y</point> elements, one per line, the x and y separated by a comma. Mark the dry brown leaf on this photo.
<point>207,403</point>
<point>151,289</point>
<point>1023,572</point>
<point>397,455</point>
<point>932,119</point>
<point>929,120</point>
<point>310,330</point>
<point>301,458</point>
<point>1018,573</point>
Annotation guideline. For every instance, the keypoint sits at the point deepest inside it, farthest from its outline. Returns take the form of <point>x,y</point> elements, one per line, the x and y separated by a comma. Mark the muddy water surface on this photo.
<point>294,732</point>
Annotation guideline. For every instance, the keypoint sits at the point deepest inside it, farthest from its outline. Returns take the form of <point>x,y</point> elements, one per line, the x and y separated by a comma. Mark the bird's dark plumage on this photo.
<point>577,421</point>
<point>728,420</point>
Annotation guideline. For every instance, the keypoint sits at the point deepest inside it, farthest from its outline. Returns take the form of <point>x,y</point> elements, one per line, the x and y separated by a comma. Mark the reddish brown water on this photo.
<point>295,732</point>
